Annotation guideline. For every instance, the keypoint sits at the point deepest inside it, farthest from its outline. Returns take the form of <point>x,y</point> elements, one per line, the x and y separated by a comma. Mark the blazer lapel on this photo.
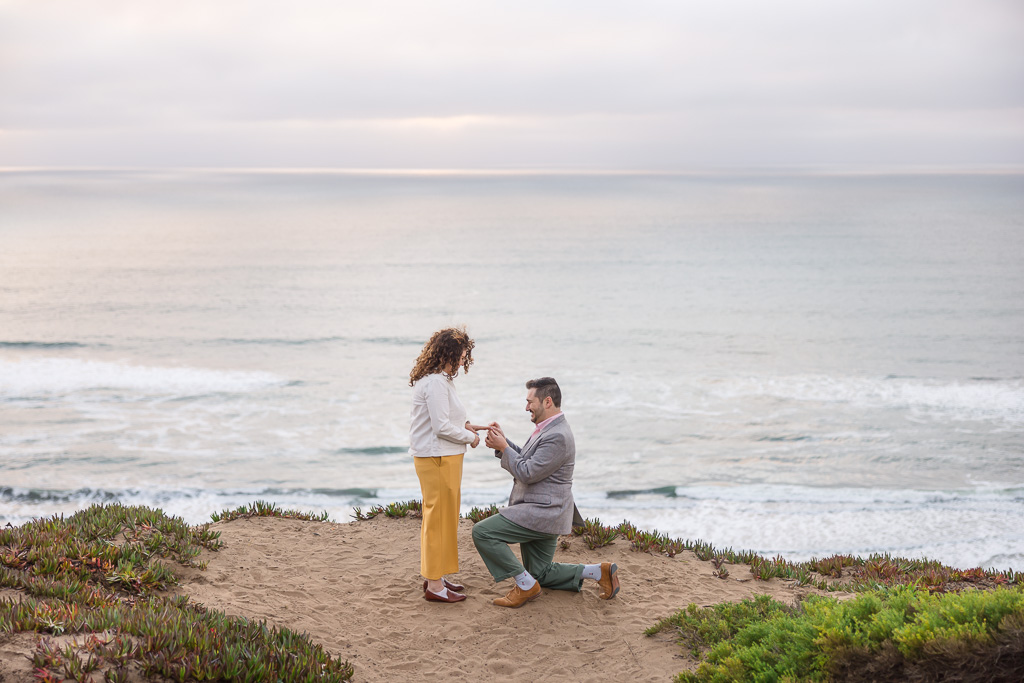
<point>531,443</point>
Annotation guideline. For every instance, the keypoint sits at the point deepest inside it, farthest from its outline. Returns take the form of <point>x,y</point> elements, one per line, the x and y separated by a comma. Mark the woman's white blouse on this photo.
<point>438,419</point>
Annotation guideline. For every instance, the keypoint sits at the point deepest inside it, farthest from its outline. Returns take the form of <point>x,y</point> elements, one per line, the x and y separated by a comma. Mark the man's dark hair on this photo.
<point>546,387</point>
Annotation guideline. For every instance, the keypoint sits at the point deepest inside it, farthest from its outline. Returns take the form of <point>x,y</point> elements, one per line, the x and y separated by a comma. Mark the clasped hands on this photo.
<point>495,437</point>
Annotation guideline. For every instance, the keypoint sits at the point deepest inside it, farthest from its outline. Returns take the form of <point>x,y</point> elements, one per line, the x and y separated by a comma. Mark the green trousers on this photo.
<point>492,537</point>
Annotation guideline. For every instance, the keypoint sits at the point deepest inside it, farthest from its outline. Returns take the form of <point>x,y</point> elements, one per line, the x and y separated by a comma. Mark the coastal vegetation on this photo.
<point>891,634</point>
<point>96,587</point>
<point>264,509</point>
<point>911,620</point>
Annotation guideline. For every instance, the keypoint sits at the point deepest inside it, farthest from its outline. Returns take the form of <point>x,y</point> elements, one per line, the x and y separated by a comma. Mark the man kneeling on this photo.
<point>540,506</point>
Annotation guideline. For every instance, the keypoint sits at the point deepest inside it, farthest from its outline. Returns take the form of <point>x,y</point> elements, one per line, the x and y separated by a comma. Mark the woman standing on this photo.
<point>438,435</point>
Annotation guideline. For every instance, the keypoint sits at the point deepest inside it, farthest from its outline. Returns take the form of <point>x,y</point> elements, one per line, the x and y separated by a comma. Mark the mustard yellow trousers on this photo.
<point>441,486</point>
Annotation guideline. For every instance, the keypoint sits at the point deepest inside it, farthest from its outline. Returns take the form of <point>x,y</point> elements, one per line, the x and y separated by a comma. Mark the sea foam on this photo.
<point>962,528</point>
<point>979,400</point>
<point>55,377</point>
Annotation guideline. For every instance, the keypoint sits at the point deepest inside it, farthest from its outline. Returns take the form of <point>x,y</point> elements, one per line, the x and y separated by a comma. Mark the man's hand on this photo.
<point>495,437</point>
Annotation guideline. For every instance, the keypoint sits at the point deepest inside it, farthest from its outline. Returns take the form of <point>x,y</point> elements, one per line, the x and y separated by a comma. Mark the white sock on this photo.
<point>525,581</point>
<point>592,571</point>
<point>443,592</point>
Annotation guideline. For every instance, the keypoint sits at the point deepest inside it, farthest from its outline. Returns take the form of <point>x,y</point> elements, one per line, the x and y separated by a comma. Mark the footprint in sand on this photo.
<point>502,667</point>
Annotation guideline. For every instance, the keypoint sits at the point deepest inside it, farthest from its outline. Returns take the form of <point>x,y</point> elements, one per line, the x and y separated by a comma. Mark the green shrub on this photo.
<point>97,574</point>
<point>595,534</point>
<point>171,638</point>
<point>904,632</point>
<point>395,510</point>
<point>477,514</point>
<point>108,547</point>
<point>262,508</point>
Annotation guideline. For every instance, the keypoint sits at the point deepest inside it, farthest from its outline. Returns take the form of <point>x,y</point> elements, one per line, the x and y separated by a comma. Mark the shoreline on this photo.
<point>797,531</point>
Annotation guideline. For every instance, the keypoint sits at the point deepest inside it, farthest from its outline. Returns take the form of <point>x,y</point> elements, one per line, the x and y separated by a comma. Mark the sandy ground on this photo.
<point>356,589</point>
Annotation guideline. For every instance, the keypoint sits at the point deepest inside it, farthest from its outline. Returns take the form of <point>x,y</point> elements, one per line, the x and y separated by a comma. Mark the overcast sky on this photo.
<point>584,84</point>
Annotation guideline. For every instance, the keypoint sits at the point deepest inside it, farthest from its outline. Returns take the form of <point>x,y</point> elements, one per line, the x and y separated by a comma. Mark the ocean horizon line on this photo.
<point>803,170</point>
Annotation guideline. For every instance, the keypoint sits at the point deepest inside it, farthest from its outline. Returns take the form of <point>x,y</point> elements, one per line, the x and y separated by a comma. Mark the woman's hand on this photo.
<point>474,428</point>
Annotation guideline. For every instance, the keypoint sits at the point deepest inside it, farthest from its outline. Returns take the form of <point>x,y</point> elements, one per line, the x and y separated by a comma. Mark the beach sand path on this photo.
<point>355,588</point>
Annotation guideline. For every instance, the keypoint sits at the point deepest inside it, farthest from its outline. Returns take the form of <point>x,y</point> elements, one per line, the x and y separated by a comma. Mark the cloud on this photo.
<point>498,84</point>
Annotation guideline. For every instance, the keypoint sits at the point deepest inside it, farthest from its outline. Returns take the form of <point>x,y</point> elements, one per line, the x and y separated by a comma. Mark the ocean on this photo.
<point>795,363</point>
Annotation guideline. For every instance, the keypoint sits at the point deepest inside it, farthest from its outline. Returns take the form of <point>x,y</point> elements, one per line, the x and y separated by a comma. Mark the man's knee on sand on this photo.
<point>480,532</point>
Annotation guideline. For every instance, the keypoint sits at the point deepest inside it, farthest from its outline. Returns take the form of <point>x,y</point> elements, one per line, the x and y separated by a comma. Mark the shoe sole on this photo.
<point>426,596</point>
<point>615,581</point>
<point>444,602</point>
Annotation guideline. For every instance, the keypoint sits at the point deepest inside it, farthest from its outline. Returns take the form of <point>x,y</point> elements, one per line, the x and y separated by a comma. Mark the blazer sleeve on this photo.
<point>549,455</point>
<point>436,395</point>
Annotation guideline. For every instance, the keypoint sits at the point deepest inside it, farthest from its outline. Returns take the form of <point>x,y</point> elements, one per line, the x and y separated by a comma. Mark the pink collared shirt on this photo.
<point>543,424</point>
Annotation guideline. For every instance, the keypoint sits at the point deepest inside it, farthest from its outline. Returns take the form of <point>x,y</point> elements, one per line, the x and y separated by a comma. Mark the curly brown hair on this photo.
<point>444,350</point>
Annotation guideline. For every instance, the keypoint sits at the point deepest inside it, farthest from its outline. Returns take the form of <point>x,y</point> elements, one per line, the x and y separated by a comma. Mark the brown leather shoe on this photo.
<point>609,582</point>
<point>457,587</point>
<point>517,597</point>
<point>450,596</point>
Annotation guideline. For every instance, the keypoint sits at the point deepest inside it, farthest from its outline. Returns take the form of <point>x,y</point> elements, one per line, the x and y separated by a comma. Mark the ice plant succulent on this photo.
<point>94,576</point>
<point>901,633</point>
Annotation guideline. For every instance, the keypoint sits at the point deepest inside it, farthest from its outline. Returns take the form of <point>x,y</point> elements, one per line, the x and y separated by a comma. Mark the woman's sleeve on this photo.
<point>437,407</point>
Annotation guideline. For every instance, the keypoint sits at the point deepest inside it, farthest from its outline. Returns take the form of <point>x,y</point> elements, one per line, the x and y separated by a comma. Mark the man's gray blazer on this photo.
<point>541,497</point>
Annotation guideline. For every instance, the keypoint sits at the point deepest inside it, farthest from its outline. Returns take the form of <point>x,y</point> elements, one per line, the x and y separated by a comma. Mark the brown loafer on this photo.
<point>450,596</point>
<point>517,597</point>
<point>457,587</point>
<point>609,582</point>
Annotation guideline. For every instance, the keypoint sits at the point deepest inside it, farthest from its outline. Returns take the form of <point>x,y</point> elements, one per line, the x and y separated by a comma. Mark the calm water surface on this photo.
<point>795,364</point>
